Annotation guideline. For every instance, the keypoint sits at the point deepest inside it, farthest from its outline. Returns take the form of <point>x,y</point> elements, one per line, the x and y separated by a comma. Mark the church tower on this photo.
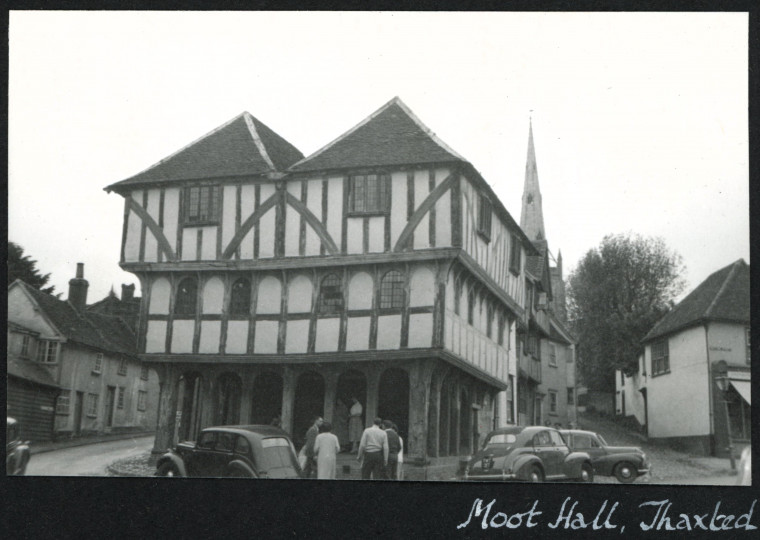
<point>532,216</point>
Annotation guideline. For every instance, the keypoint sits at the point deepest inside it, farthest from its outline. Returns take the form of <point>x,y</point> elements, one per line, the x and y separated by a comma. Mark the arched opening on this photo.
<point>240,298</point>
<point>351,384</point>
<point>186,300</point>
<point>266,403</point>
<point>227,410</point>
<point>309,402</point>
<point>393,399</point>
<point>189,400</point>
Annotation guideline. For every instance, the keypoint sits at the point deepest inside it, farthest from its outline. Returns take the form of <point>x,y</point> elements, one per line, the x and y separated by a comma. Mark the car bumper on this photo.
<point>488,477</point>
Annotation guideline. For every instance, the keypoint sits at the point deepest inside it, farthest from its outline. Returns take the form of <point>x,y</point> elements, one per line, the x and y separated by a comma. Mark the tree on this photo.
<point>615,296</point>
<point>23,267</point>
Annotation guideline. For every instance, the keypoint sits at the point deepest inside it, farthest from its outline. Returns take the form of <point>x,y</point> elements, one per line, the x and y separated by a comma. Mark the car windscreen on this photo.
<point>276,457</point>
<point>601,440</point>
<point>501,440</point>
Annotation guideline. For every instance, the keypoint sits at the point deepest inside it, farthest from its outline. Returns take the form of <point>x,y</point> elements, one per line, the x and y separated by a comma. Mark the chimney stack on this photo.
<point>127,292</point>
<point>78,289</point>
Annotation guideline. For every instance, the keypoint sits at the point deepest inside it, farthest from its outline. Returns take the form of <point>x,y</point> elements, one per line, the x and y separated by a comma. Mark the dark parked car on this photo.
<point>233,451</point>
<point>532,454</point>
<point>626,463</point>
<point>17,453</point>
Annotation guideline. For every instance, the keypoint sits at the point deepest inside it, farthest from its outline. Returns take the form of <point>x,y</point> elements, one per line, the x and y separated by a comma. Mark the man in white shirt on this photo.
<point>373,451</point>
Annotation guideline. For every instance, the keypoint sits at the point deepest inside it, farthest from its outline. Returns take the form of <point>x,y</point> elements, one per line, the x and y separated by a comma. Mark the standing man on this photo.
<point>311,437</point>
<point>394,447</point>
<point>373,448</point>
<point>355,424</point>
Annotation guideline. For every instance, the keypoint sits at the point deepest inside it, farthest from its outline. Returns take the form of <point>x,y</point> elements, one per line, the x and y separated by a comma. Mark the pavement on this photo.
<point>41,447</point>
<point>88,459</point>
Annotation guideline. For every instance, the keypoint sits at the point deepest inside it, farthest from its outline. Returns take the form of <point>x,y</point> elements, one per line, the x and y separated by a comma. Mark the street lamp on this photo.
<point>722,383</point>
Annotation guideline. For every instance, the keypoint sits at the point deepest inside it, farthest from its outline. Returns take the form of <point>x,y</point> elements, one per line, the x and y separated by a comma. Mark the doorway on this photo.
<point>393,399</point>
<point>266,403</point>
<point>78,404</point>
<point>110,399</point>
<point>309,402</point>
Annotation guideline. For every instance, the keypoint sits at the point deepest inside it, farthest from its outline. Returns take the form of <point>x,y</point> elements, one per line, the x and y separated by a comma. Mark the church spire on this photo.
<point>532,216</point>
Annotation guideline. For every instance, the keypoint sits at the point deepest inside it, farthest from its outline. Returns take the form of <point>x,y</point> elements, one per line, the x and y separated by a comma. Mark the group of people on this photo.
<point>379,450</point>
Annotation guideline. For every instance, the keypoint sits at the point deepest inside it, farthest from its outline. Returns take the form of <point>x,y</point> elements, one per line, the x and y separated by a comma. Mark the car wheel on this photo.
<point>625,472</point>
<point>168,469</point>
<point>535,474</point>
<point>587,473</point>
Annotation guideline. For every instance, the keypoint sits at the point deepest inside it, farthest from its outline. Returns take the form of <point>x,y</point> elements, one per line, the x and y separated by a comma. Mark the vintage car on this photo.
<point>532,454</point>
<point>17,453</point>
<point>626,463</point>
<point>255,451</point>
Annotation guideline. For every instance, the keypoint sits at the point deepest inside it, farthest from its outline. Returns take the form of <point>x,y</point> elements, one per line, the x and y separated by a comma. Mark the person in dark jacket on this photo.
<point>394,447</point>
<point>311,436</point>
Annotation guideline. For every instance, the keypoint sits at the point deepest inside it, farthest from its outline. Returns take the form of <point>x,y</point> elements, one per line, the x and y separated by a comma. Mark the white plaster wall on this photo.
<point>151,244</point>
<point>208,248</point>
<point>211,331</point>
<point>134,226</point>
<point>314,204</point>
<point>189,243</point>
<point>355,235</point>
<point>265,341</point>
<point>398,205</point>
<point>443,218</point>
<point>422,287</point>
<point>267,224</point>
<point>335,208</point>
<point>360,291</point>
<point>299,295</point>
<point>421,191</point>
<point>327,335</point>
<point>376,234</point>
<point>389,332</point>
<point>182,336</point>
<point>213,296</point>
<point>155,337</point>
<point>237,337</point>
<point>297,336</point>
<point>292,221</point>
<point>357,335</point>
<point>21,311</point>
<point>727,342</point>
<point>420,330</point>
<point>269,298</point>
<point>229,204</point>
<point>171,215</point>
<point>679,401</point>
<point>247,203</point>
<point>160,293</point>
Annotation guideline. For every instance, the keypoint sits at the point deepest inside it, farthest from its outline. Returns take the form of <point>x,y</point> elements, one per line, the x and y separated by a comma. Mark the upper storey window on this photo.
<point>240,299</point>
<point>484,217</point>
<point>514,255</point>
<point>186,301</point>
<point>392,290</point>
<point>660,358</point>
<point>331,295</point>
<point>201,205</point>
<point>370,194</point>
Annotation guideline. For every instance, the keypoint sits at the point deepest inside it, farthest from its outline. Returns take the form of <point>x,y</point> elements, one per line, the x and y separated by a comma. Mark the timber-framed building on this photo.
<point>381,267</point>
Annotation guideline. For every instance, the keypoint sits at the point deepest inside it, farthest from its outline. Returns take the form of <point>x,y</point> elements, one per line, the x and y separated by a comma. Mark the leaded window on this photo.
<point>240,298</point>
<point>331,295</point>
<point>201,204</point>
<point>660,360</point>
<point>370,194</point>
<point>392,290</point>
<point>186,301</point>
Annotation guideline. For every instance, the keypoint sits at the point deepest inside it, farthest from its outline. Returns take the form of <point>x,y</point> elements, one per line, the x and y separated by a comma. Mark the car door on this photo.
<point>222,454</point>
<point>544,448</point>
<point>198,462</point>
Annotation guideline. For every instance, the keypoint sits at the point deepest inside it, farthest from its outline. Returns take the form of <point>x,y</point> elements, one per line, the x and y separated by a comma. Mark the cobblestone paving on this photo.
<point>133,466</point>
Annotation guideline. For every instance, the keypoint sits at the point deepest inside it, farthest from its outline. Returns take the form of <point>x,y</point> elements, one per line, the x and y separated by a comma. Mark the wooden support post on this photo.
<point>246,397</point>
<point>167,409</point>
<point>331,391</point>
<point>373,387</point>
<point>419,401</point>
<point>288,398</point>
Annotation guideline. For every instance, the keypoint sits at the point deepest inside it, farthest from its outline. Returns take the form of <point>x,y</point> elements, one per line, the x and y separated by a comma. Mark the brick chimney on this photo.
<point>127,292</point>
<point>78,289</point>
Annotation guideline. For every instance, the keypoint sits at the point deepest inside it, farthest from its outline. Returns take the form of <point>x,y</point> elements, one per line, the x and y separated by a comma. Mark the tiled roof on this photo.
<point>242,146</point>
<point>534,264</point>
<point>392,135</point>
<point>93,329</point>
<point>30,371</point>
<point>723,296</point>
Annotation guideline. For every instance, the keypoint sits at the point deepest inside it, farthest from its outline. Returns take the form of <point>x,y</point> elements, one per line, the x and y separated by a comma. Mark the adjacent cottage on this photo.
<point>703,342</point>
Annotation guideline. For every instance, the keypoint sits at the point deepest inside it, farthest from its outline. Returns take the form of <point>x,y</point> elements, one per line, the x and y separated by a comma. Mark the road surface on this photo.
<point>88,460</point>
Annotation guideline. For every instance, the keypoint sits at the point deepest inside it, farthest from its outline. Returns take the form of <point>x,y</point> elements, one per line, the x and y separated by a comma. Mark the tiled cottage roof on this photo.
<point>723,296</point>
<point>242,146</point>
<point>106,333</point>
<point>392,135</point>
<point>30,371</point>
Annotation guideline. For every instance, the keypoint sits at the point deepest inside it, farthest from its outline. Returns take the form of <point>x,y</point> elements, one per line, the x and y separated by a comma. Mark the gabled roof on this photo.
<point>392,135</point>
<point>109,334</point>
<point>724,296</point>
<point>30,371</point>
<point>242,146</point>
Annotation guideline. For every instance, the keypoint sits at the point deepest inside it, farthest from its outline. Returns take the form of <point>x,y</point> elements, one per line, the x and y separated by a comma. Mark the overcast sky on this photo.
<point>640,120</point>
